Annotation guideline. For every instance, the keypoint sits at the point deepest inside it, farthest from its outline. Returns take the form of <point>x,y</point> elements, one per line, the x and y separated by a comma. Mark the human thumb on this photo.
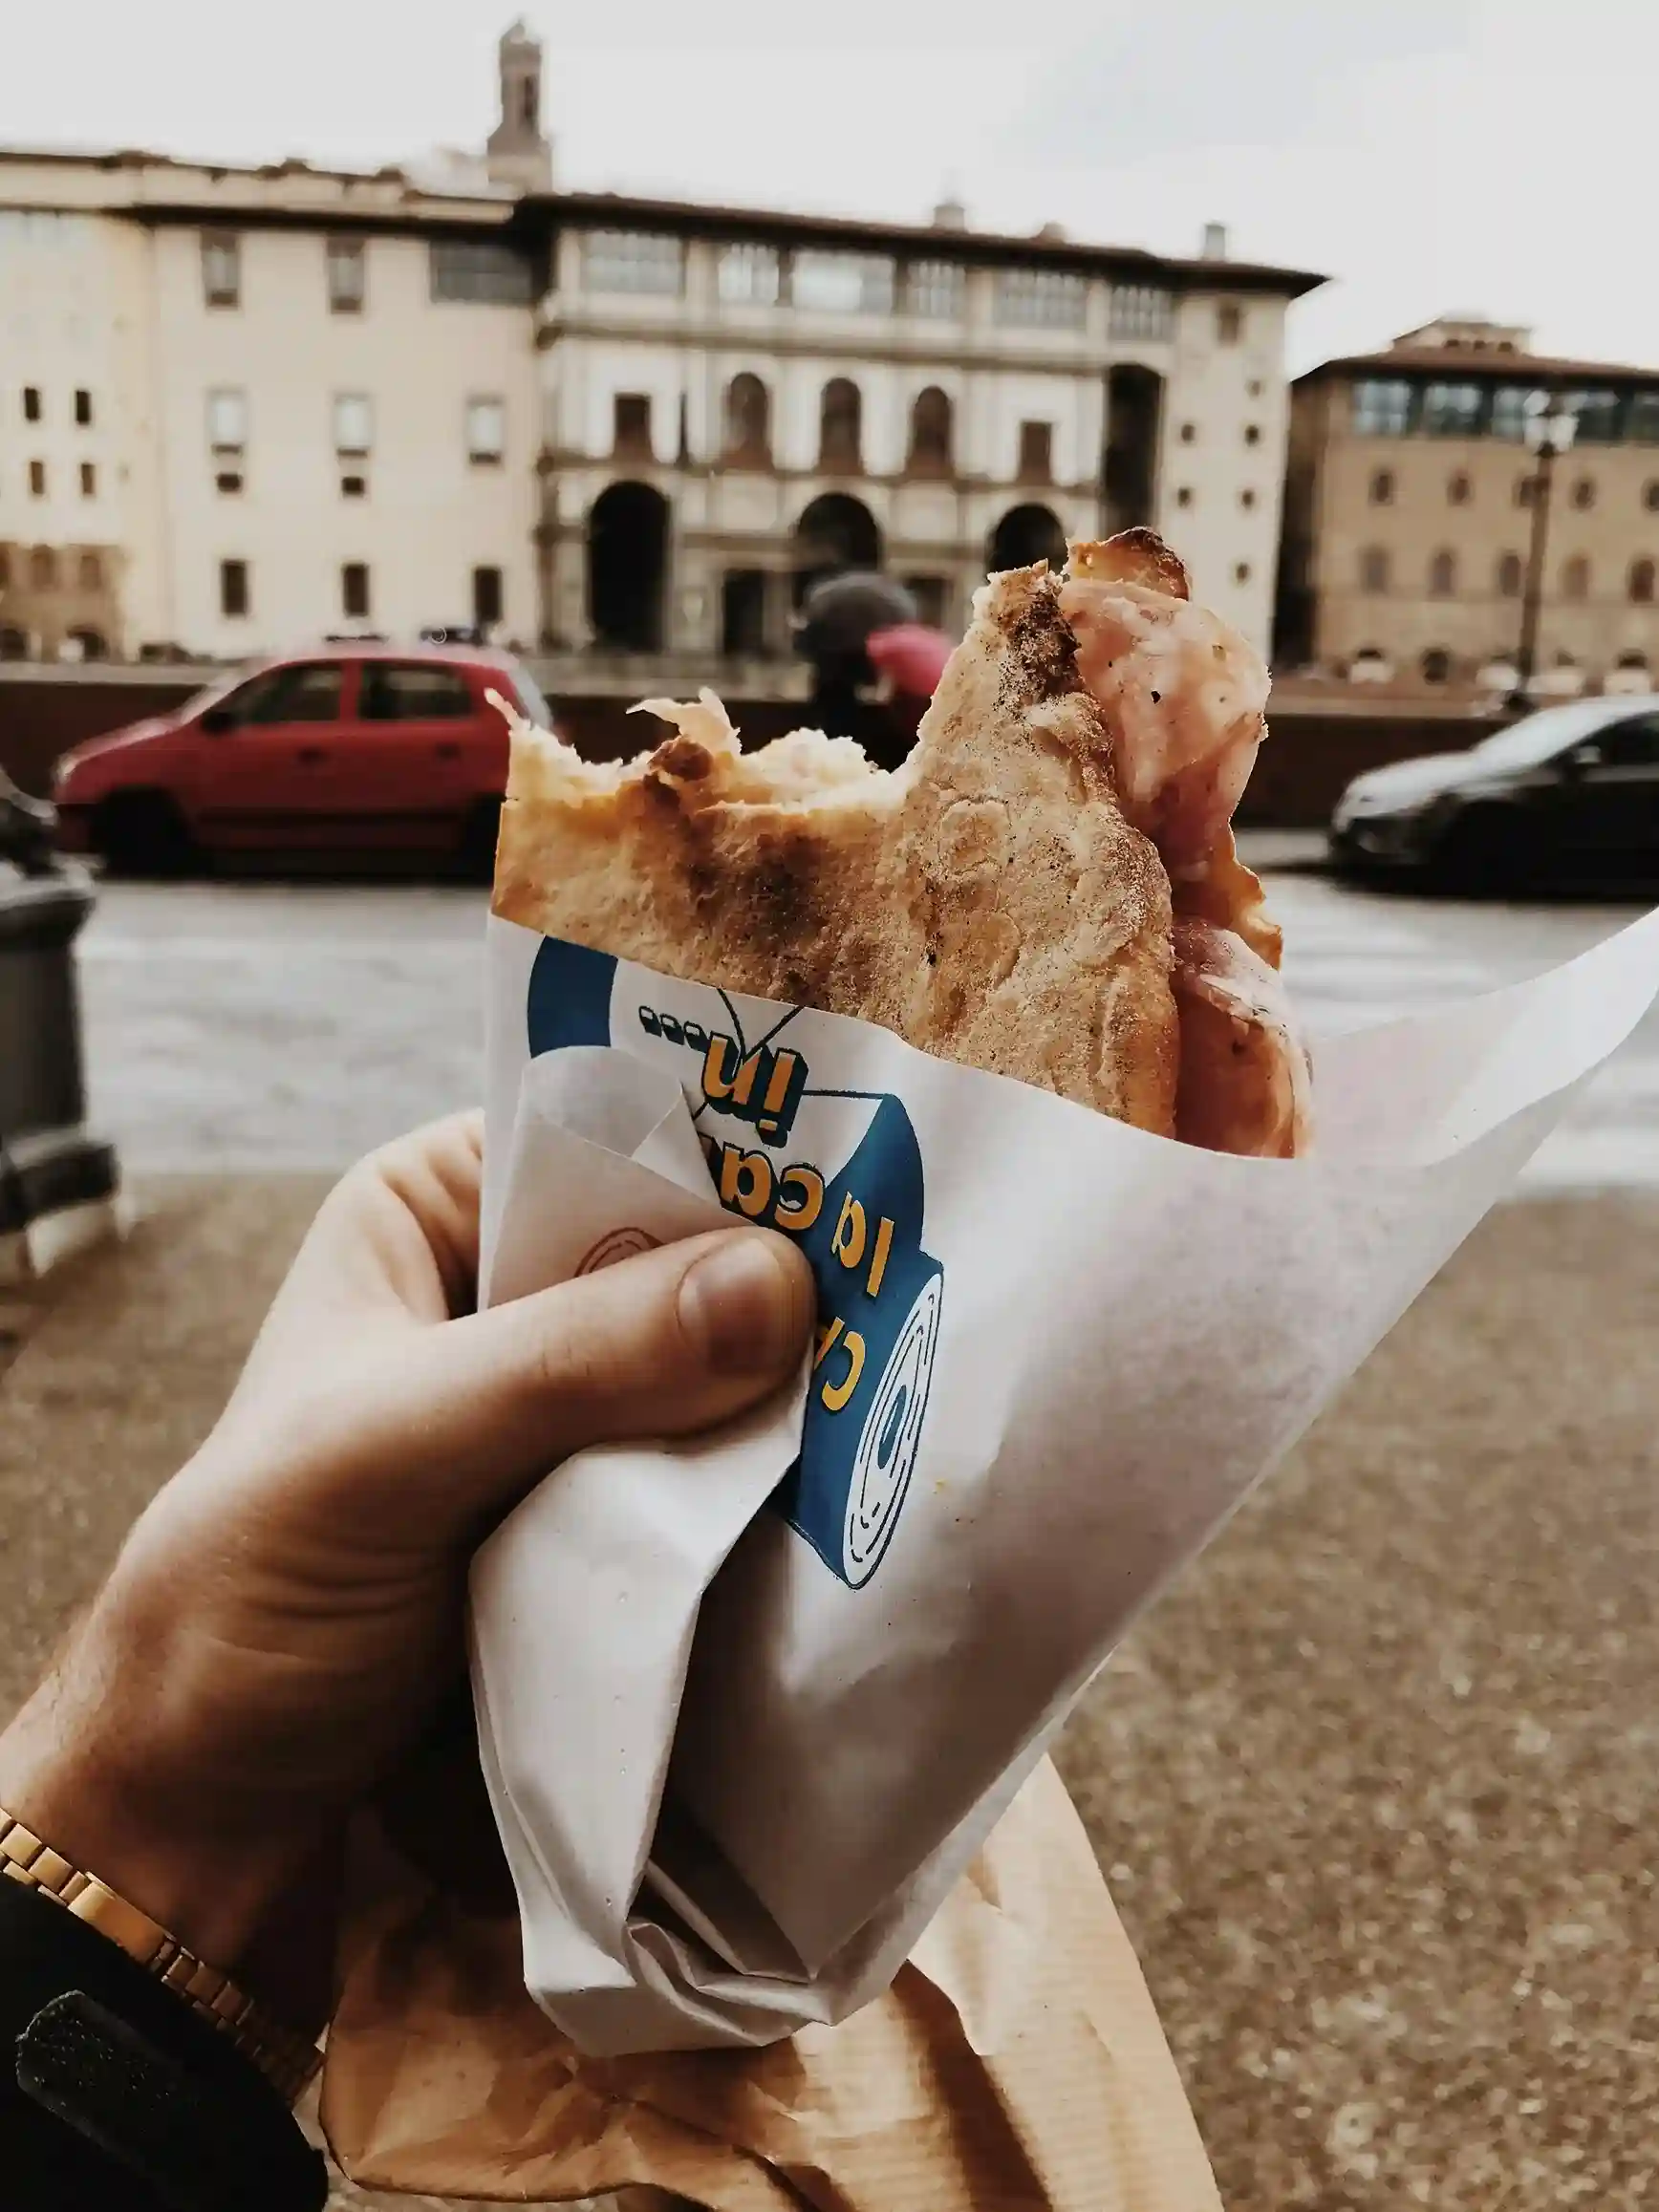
<point>477,1411</point>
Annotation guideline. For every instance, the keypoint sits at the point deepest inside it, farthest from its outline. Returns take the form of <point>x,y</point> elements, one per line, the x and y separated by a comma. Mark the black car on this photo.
<point>1573,790</point>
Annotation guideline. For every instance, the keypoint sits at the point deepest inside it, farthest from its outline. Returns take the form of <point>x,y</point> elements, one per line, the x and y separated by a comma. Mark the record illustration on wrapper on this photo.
<point>861,1224</point>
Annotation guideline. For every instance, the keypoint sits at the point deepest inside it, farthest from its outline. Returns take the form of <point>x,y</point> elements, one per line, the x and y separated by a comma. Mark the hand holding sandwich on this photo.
<point>286,1616</point>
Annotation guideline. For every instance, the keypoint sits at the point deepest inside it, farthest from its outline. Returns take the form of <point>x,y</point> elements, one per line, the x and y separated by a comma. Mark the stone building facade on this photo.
<point>281,402</point>
<point>1410,506</point>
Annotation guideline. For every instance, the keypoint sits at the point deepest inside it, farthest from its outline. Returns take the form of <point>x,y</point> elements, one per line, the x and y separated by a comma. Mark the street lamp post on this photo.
<point>1549,431</point>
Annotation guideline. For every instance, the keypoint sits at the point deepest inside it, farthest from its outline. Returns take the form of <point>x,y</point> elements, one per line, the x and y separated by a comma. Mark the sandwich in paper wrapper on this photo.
<point>1000,1040</point>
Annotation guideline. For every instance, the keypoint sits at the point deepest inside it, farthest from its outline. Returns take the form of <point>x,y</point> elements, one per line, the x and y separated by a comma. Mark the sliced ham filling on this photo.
<point>1186,696</point>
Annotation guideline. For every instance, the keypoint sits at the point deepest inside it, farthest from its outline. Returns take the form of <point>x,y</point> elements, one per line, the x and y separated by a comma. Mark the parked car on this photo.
<point>350,750</point>
<point>1573,790</point>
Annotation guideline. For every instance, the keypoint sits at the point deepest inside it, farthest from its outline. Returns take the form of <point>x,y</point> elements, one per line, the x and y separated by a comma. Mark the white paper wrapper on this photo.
<point>750,1704</point>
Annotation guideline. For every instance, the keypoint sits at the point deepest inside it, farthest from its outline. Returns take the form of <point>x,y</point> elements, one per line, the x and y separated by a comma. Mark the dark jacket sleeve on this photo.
<point>113,2094</point>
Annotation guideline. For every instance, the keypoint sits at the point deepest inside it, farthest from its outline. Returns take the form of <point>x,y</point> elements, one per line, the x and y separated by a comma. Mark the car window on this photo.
<point>307,693</point>
<point>408,691</point>
<point>1542,735</point>
<point>1630,744</point>
<point>531,698</point>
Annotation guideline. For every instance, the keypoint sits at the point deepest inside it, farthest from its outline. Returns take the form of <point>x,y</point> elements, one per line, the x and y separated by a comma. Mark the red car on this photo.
<point>351,750</point>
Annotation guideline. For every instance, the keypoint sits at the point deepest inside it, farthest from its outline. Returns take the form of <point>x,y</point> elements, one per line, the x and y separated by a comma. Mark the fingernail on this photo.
<point>737,1304</point>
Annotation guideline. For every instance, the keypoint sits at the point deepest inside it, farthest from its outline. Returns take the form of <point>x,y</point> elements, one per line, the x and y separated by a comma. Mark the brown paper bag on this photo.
<point>1016,2064</point>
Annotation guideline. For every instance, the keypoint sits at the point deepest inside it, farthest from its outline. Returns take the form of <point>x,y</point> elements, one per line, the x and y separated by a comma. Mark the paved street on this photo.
<point>1374,1786</point>
<point>262,1025</point>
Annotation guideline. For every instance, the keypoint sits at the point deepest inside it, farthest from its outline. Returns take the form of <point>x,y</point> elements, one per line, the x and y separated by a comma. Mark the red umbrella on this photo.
<point>912,658</point>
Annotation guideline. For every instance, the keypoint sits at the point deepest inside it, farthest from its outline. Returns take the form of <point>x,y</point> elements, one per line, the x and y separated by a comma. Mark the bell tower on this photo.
<point>518,151</point>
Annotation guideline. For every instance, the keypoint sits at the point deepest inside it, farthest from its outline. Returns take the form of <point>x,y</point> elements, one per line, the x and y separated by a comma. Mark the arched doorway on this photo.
<point>626,567</point>
<point>1025,534</point>
<point>836,532</point>
<point>1134,399</point>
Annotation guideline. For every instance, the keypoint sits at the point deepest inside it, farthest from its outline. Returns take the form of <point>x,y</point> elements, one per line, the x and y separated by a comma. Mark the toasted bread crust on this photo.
<point>988,901</point>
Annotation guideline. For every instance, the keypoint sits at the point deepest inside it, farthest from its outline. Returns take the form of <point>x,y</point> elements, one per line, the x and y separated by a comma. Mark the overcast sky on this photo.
<point>1487,156</point>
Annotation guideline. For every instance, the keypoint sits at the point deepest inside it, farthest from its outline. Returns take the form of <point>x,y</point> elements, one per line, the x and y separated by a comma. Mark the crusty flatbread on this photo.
<point>988,901</point>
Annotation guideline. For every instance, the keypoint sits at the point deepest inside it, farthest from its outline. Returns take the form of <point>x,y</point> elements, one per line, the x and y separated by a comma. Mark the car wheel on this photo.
<point>478,840</point>
<point>141,834</point>
<point>1486,849</point>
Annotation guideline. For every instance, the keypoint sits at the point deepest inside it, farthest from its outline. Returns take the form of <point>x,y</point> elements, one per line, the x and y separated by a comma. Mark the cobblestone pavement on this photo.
<point>278,1026</point>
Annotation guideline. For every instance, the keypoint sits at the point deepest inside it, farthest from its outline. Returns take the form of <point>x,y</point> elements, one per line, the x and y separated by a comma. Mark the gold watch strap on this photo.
<point>286,2058</point>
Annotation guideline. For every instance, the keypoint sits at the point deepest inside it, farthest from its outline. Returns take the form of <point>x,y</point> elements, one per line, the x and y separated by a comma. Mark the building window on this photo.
<point>930,433</point>
<point>228,481</point>
<point>93,643</point>
<point>88,480</point>
<point>1247,498</point>
<point>354,423</point>
<point>632,261</point>
<point>226,420</point>
<point>38,480</point>
<point>842,284</point>
<point>1241,571</point>
<point>354,591</point>
<point>1436,665</point>
<point>1641,583</point>
<point>1036,453</point>
<point>353,486</point>
<point>1229,322</point>
<point>43,568</point>
<point>743,613</point>
<point>1508,575</point>
<point>1585,493</point>
<point>485,431</point>
<point>31,403</point>
<point>840,426</point>
<point>1374,569</point>
<point>1139,311</point>
<point>1251,433</point>
<point>1650,496</point>
<point>748,275</point>
<point>1458,488</point>
<point>748,420</point>
<point>1443,575</point>
<point>479,272</point>
<point>487,597</point>
<point>347,274</point>
<point>1453,410</point>
<point>1254,387</point>
<point>935,289</point>
<point>233,587</point>
<point>1642,419</point>
<point>1189,432</point>
<point>220,269</point>
<point>1512,405</point>
<point>1184,496</point>
<point>1040,299</point>
<point>1381,407</point>
<point>1526,491</point>
<point>1599,416</point>
<point>1383,489</point>
<point>932,596</point>
<point>1576,578</point>
<point>90,570</point>
<point>83,407</point>
<point>630,425</point>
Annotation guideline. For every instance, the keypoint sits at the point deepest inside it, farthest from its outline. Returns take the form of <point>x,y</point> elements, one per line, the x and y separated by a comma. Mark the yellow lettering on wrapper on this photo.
<point>827,1337</point>
<point>878,1265</point>
<point>745,1181</point>
<point>836,1394</point>
<point>797,1215</point>
<point>848,1241</point>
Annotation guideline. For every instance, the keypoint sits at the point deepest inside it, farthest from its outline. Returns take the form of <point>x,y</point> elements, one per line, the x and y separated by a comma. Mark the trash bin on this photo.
<point>58,1183</point>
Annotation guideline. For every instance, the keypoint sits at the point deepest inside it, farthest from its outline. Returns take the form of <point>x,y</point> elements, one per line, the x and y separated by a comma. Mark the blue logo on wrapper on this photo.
<point>860,1226</point>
